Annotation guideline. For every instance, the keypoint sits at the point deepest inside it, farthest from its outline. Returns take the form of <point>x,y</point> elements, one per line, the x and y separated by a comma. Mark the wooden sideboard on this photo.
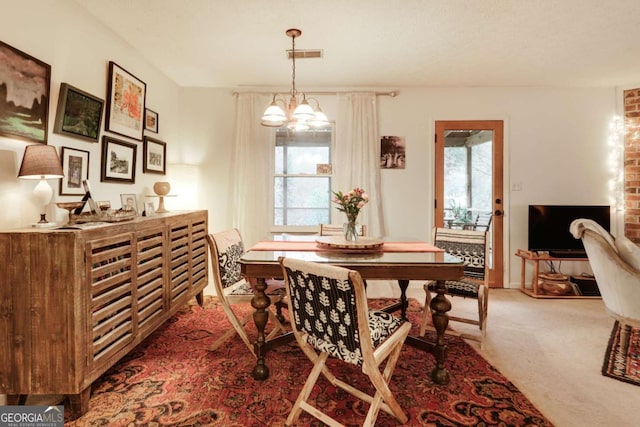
<point>75,301</point>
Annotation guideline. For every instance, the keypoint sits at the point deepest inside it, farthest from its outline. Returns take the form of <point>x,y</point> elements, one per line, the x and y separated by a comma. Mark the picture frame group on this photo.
<point>75,165</point>
<point>79,114</point>
<point>125,103</point>
<point>118,160</point>
<point>32,78</point>
<point>155,156</point>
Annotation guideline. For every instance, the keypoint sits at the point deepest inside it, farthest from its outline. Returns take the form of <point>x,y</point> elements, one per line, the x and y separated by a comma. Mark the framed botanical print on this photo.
<point>118,160</point>
<point>79,114</point>
<point>155,156</point>
<point>75,165</point>
<point>26,81</point>
<point>125,103</point>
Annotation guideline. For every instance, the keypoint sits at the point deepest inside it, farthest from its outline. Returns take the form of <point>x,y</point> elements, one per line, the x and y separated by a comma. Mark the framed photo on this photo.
<point>118,160</point>
<point>323,168</point>
<point>125,103</point>
<point>79,114</point>
<point>150,120</point>
<point>28,80</point>
<point>75,165</point>
<point>149,209</point>
<point>155,156</point>
<point>129,202</point>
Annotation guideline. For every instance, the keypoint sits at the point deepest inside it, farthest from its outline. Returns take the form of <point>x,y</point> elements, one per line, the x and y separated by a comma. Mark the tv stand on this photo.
<point>568,254</point>
<point>536,258</point>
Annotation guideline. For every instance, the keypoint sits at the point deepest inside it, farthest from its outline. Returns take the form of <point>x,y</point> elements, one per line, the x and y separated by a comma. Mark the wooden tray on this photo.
<point>363,244</point>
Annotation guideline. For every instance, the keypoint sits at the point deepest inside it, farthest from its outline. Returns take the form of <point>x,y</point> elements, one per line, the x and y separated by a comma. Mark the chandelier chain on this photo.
<point>294,92</point>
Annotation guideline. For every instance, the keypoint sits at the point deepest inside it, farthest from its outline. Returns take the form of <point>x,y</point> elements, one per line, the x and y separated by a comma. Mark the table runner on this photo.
<point>295,245</point>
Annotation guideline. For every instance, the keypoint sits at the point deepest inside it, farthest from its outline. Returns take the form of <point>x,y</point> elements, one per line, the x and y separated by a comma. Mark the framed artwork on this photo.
<point>155,156</point>
<point>125,103</point>
<point>118,160</point>
<point>79,114</point>
<point>24,104</point>
<point>323,168</point>
<point>75,165</point>
<point>392,152</point>
<point>129,202</point>
<point>150,120</point>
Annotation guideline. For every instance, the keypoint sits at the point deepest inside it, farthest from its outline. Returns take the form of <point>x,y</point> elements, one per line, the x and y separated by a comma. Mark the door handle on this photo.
<point>498,212</point>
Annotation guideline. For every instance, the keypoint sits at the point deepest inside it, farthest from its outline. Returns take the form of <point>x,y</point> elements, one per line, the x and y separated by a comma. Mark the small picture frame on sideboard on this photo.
<point>149,209</point>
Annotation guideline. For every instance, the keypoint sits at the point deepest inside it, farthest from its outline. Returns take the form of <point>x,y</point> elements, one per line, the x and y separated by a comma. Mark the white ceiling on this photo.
<point>383,43</point>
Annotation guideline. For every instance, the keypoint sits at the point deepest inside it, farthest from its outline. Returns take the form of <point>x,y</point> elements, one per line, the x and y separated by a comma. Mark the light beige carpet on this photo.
<point>553,351</point>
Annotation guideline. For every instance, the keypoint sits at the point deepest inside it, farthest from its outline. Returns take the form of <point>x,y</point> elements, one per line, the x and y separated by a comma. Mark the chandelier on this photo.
<point>297,115</point>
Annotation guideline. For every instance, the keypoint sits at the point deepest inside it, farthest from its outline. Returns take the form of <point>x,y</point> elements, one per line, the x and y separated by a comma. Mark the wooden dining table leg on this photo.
<point>404,303</point>
<point>440,305</point>
<point>260,302</point>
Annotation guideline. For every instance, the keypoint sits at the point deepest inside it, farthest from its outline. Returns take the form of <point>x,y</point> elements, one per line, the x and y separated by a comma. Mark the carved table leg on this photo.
<point>260,302</point>
<point>440,305</point>
<point>403,284</point>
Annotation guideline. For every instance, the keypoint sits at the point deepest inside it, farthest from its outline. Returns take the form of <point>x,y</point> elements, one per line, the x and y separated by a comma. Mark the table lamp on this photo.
<point>41,162</point>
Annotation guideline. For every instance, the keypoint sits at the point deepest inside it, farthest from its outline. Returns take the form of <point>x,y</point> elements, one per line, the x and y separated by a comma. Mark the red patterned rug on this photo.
<point>622,359</point>
<point>172,379</point>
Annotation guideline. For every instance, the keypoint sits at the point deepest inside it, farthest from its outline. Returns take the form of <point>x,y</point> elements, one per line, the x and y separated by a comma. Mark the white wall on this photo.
<point>555,138</point>
<point>78,49</point>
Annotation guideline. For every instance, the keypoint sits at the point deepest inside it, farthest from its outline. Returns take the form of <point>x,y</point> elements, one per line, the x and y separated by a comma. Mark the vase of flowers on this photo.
<point>350,203</point>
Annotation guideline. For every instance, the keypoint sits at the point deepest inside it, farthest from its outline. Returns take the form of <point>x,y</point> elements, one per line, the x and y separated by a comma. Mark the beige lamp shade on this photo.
<point>40,161</point>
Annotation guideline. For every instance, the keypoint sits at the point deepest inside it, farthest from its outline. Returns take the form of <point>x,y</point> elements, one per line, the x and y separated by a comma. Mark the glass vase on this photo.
<point>350,229</point>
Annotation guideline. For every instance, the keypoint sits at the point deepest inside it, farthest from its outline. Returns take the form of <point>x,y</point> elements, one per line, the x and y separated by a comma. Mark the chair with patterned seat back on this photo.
<point>330,318</point>
<point>338,230</point>
<point>471,246</point>
<point>226,248</point>
<point>481,223</point>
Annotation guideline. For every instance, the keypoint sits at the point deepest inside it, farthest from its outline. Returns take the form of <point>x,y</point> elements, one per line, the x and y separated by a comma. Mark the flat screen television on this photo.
<point>549,227</point>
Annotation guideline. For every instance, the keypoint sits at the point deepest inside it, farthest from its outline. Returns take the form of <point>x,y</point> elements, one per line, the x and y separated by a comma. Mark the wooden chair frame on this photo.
<point>483,291</point>
<point>372,358</point>
<point>228,299</point>
<point>338,230</point>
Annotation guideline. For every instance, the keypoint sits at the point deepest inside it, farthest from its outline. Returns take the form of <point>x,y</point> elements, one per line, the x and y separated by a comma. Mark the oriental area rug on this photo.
<point>172,379</point>
<point>622,359</point>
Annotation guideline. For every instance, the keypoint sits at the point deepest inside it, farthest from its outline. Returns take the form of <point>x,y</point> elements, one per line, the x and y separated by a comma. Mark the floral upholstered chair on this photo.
<point>470,246</point>
<point>330,318</point>
<point>226,249</point>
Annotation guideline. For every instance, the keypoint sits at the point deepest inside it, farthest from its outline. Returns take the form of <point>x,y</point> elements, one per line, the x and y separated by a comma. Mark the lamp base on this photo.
<point>44,224</point>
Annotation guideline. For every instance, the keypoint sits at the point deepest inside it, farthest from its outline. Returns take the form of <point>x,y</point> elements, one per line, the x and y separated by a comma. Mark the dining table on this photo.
<point>389,259</point>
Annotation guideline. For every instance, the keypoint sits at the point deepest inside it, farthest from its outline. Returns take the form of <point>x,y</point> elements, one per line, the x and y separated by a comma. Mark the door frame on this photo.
<point>496,273</point>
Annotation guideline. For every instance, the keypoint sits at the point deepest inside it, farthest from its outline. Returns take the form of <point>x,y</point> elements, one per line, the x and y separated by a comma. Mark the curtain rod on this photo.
<point>392,94</point>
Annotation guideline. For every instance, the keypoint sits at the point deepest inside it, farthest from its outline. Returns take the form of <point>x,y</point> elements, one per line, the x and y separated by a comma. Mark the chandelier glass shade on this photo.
<point>297,115</point>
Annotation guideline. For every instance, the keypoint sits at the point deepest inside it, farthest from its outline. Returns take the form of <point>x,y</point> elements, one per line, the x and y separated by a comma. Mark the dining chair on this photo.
<point>472,247</point>
<point>481,223</point>
<point>226,248</point>
<point>330,318</point>
<point>338,230</point>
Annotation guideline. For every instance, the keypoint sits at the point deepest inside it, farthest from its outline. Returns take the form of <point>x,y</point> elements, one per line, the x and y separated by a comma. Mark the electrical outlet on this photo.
<point>516,186</point>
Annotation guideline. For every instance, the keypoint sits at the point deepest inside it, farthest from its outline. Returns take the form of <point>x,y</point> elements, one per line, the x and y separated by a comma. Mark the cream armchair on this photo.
<point>616,266</point>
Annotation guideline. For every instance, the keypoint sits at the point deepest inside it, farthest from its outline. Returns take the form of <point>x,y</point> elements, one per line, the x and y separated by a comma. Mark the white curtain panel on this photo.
<point>252,165</point>
<point>357,155</point>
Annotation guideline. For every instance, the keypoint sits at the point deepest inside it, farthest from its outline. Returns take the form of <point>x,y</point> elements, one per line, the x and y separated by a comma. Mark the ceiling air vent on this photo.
<point>305,54</point>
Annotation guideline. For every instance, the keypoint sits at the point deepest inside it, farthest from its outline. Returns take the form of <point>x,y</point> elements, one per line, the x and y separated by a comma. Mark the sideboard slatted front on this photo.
<point>75,301</point>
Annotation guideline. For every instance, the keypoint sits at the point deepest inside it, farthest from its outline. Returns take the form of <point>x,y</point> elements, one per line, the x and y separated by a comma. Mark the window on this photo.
<point>302,197</point>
